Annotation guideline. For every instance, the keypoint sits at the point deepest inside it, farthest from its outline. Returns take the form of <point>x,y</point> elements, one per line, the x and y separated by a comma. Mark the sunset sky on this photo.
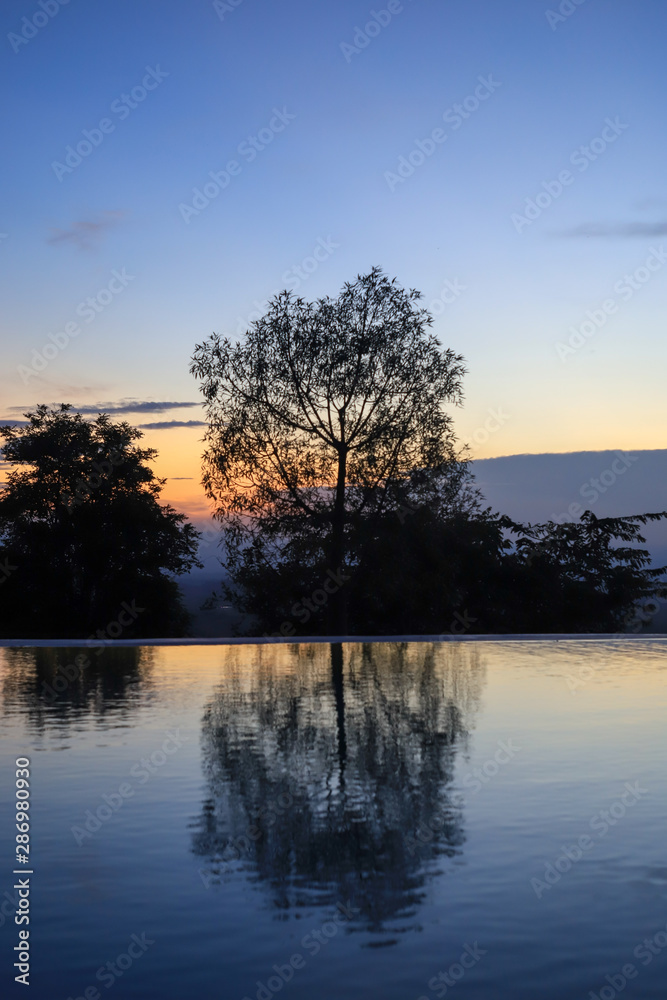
<point>502,158</point>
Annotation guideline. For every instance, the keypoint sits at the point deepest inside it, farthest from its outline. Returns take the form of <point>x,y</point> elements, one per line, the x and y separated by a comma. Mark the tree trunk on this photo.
<point>338,617</point>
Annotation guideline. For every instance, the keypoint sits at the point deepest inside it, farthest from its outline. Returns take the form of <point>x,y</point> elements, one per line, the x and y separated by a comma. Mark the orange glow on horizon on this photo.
<point>180,456</point>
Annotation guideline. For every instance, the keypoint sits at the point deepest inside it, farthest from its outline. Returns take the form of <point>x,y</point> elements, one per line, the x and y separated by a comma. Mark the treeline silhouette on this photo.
<point>469,573</point>
<point>87,551</point>
<point>345,504</point>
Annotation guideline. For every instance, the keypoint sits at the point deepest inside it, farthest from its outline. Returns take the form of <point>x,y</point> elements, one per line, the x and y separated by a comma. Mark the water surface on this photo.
<point>341,821</point>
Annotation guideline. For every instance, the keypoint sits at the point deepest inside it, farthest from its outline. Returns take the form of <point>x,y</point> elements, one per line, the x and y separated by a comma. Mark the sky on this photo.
<point>170,165</point>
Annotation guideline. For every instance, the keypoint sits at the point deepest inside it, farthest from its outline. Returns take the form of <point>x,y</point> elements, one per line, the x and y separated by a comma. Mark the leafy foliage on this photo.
<point>487,574</point>
<point>83,530</point>
<point>572,578</point>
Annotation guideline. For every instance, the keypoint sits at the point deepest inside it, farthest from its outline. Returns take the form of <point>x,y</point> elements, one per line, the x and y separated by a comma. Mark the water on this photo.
<point>326,821</point>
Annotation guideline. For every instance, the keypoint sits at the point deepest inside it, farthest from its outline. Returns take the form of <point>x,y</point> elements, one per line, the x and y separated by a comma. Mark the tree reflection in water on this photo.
<point>329,771</point>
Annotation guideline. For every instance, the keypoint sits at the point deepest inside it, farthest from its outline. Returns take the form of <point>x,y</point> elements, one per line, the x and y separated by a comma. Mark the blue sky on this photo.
<point>325,177</point>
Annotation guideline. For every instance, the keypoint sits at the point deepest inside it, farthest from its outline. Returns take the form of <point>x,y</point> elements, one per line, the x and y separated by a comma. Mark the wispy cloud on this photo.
<point>163,425</point>
<point>136,406</point>
<point>122,406</point>
<point>86,234</point>
<point>617,230</point>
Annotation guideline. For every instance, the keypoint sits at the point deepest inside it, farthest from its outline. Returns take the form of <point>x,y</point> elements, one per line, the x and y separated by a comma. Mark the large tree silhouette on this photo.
<point>86,544</point>
<point>321,416</point>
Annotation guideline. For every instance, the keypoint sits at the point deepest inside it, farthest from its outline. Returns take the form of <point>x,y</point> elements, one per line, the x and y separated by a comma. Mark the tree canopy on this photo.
<point>325,414</point>
<point>83,535</point>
